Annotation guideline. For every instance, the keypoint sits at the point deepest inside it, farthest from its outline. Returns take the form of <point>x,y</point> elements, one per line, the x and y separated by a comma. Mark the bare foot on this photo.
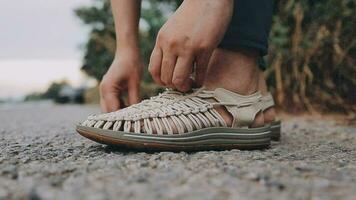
<point>238,71</point>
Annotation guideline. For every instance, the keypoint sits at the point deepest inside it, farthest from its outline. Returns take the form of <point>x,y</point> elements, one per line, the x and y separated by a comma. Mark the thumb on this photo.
<point>133,91</point>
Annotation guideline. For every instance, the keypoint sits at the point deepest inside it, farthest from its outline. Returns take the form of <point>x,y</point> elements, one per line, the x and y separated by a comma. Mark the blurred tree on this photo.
<point>54,89</point>
<point>33,96</point>
<point>312,55</point>
<point>99,49</point>
<point>51,93</point>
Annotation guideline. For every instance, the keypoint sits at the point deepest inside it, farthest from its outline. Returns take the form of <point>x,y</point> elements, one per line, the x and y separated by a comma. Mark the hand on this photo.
<point>124,75</point>
<point>188,38</point>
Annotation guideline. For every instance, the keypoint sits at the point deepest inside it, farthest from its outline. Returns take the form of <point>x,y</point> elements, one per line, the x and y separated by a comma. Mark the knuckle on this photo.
<point>104,90</point>
<point>202,47</point>
<point>153,70</point>
<point>178,81</point>
<point>172,43</point>
<point>103,86</point>
<point>161,36</point>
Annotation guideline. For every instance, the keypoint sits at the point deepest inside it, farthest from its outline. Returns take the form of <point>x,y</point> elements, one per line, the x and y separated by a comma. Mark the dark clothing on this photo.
<point>249,26</point>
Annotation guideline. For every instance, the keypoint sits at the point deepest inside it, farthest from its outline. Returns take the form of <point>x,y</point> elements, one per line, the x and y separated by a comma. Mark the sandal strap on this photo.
<point>242,108</point>
<point>266,101</point>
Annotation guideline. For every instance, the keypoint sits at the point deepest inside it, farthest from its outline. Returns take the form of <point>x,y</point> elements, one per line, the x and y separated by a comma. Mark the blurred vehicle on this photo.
<point>68,94</point>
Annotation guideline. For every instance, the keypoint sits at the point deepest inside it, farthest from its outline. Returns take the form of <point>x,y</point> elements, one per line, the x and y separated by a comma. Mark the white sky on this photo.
<point>39,43</point>
<point>20,77</point>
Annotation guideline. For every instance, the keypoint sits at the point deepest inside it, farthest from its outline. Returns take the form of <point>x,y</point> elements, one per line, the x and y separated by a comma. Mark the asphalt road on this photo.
<point>42,157</point>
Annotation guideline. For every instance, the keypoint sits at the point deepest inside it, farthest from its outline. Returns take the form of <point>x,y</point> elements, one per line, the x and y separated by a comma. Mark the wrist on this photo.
<point>127,47</point>
<point>127,40</point>
<point>128,51</point>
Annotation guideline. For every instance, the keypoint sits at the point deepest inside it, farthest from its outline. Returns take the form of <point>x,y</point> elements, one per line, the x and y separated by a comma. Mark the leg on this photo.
<point>234,65</point>
<point>249,26</point>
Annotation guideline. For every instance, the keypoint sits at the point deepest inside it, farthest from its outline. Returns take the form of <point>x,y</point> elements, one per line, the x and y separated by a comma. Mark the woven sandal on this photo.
<point>175,121</point>
<point>275,126</point>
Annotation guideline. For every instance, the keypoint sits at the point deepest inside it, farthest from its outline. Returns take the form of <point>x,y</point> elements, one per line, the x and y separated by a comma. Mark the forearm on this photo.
<point>126,17</point>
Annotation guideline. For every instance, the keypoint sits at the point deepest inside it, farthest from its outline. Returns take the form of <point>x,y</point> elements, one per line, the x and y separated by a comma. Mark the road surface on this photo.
<point>42,157</point>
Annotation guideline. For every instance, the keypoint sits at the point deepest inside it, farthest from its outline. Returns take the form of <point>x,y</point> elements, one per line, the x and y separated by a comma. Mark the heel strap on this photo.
<point>266,101</point>
<point>242,108</point>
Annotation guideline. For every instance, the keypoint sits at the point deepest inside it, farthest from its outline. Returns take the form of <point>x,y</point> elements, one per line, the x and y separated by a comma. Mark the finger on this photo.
<point>109,98</point>
<point>102,101</point>
<point>182,71</point>
<point>103,105</point>
<point>154,67</point>
<point>201,67</point>
<point>133,92</point>
<point>167,68</point>
<point>112,102</point>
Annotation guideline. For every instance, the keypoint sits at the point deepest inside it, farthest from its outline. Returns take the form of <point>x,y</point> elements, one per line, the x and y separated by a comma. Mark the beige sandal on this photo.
<point>175,121</point>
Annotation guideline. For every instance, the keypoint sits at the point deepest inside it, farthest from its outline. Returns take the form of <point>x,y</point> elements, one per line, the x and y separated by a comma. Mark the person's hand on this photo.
<point>124,75</point>
<point>188,38</point>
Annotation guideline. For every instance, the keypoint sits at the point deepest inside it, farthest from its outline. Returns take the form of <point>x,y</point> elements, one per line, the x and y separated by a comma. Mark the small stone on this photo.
<point>232,171</point>
<point>10,170</point>
<point>276,184</point>
<point>33,195</point>
<point>77,144</point>
<point>144,163</point>
<point>252,176</point>
<point>25,159</point>
<point>56,181</point>
<point>303,167</point>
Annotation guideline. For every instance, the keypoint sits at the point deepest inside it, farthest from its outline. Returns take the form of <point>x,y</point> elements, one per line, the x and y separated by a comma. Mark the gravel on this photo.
<point>42,157</point>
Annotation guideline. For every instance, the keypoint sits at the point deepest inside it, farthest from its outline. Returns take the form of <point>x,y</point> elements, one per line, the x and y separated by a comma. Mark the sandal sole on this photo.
<point>204,139</point>
<point>275,128</point>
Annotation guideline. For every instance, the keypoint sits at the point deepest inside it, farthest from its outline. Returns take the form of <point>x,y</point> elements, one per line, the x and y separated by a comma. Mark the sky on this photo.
<point>40,42</point>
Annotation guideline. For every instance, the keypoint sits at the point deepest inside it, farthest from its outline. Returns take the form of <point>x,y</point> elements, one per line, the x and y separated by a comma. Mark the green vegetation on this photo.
<point>312,55</point>
<point>54,89</point>
<point>311,59</point>
<point>36,96</point>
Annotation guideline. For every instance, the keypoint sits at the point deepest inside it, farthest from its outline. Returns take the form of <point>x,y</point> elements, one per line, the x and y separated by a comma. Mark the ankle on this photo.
<point>236,71</point>
<point>262,84</point>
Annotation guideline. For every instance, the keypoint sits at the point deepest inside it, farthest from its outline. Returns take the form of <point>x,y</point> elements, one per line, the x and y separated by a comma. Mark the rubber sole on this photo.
<point>275,128</point>
<point>216,138</point>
